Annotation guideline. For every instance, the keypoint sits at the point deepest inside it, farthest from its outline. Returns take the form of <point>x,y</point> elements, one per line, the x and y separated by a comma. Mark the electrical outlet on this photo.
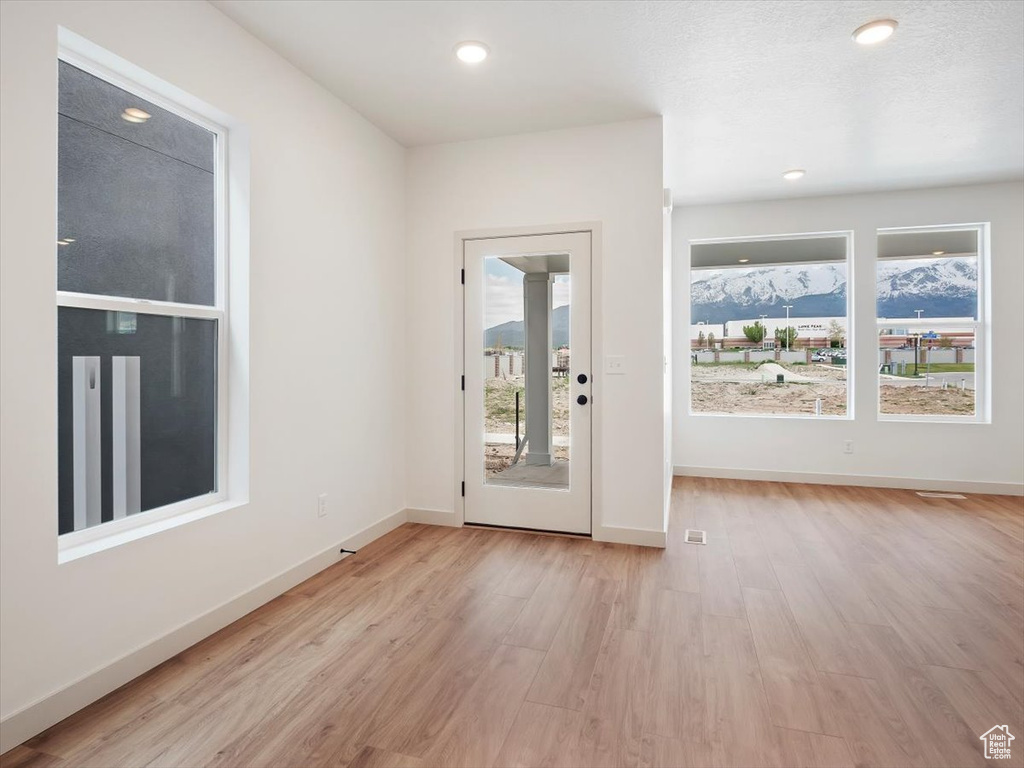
<point>848,446</point>
<point>321,505</point>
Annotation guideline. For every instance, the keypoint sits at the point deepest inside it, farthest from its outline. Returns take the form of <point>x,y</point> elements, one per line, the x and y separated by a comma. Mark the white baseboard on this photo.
<point>870,481</point>
<point>643,537</point>
<point>432,517</point>
<point>40,715</point>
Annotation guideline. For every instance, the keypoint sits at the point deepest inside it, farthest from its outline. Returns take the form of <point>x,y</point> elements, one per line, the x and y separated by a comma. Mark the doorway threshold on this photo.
<point>539,531</point>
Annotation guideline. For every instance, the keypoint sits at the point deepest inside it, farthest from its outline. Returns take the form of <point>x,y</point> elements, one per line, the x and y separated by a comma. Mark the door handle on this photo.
<point>582,399</point>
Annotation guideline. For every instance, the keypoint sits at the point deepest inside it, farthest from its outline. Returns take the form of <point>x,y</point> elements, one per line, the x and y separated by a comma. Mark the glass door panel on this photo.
<point>526,363</point>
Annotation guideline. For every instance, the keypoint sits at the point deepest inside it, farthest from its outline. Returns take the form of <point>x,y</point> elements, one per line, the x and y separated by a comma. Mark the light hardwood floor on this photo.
<point>819,626</point>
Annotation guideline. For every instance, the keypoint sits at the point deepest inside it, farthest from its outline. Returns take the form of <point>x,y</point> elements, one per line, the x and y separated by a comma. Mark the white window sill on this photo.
<point>801,416</point>
<point>72,546</point>
<point>911,418</point>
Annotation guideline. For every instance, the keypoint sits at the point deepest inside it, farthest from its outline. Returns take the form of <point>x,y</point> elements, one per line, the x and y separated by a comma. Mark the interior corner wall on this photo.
<point>667,324</point>
<point>609,173</point>
<point>913,454</point>
<point>327,377</point>
<point>669,369</point>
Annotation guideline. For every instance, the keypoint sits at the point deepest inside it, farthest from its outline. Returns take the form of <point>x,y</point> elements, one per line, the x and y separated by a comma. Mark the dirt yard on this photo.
<point>500,405</point>
<point>931,401</point>
<point>745,388</point>
<point>750,388</point>
<point>755,397</point>
<point>500,417</point>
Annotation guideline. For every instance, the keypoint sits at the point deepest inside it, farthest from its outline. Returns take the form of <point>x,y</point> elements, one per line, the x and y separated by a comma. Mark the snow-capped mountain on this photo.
<point>940,287</point>
<point>720,295</point>
<point>766,285</point>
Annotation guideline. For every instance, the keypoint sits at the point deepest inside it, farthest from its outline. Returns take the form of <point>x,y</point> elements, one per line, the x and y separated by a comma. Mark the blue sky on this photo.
<point>503,290</point>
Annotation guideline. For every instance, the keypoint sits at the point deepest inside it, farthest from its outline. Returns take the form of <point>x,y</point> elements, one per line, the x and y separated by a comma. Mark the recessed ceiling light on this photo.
<point>471,52</point>
<point>875,31</point>
<point>794,174</point>
<point>744,261</point>
<point>938,253</point>
<point>135,115</point>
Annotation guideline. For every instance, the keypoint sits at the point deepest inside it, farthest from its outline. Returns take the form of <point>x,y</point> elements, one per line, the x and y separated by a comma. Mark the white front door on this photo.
<point>529,381</point>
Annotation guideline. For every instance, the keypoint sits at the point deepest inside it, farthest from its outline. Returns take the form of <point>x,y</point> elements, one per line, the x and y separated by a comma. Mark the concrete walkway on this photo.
<point>502,438</point>
<point>933,380</point>
<point>526,476</point>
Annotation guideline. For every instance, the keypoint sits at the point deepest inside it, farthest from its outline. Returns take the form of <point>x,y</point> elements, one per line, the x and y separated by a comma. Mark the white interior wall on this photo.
<point>611,174</point>
<point>327,293</point>
<point>982,456</point>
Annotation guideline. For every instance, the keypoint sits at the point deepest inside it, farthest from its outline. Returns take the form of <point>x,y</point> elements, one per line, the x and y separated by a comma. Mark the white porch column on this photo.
<point>85,394</point>
<point>126,434</point>
<point>537,298</point>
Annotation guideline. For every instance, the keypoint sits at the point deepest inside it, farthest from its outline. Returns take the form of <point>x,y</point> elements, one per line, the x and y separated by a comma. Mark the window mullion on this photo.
<point>139,306</point>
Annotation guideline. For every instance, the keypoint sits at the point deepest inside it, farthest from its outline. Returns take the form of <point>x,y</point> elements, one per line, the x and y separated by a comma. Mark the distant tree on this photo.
<point>786,336</point>
<point>755,332</point>
<point>836,334</point>
<point>711,340</point>
<point>700,339</point>
<point>945,342</point>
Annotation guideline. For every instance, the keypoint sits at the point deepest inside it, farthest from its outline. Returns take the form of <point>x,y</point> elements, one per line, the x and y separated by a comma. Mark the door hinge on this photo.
<point>463,487</point>
<point>463,276</point>
<point>463,382</point>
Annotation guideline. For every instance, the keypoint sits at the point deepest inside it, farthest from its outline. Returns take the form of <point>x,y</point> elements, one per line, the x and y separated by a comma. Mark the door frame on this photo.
<point>596,346</point>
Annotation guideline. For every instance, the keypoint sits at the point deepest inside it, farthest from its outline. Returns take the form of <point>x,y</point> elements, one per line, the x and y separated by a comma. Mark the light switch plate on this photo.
<point>615,364</point>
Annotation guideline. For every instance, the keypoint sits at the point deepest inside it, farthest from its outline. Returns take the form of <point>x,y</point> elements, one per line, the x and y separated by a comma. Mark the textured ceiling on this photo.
<point>747,89</point>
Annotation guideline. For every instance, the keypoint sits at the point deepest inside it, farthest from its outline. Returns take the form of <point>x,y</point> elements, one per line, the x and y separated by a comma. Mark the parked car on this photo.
<point>820,357</point>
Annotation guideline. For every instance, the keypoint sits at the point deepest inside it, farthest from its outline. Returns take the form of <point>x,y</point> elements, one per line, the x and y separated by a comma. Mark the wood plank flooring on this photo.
<point>819,626</point>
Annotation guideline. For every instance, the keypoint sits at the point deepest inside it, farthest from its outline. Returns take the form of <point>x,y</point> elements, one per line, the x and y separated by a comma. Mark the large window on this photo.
<point>768,333</point>
<point>141,300</point>
<point>930,300</point>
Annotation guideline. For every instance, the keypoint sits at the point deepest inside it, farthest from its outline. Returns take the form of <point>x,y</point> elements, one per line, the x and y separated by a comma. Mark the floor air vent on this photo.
<point>934,495</point>
<point>696,537</point>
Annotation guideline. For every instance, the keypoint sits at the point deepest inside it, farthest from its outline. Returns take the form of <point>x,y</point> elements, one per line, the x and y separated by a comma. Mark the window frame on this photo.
<point>982,351</point>
<point>218,311</point>
<point>848,236</point>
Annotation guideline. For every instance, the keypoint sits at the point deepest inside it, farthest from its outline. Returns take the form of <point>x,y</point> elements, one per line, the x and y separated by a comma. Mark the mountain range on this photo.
<point>510,334</point>
<point>940,287</point>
